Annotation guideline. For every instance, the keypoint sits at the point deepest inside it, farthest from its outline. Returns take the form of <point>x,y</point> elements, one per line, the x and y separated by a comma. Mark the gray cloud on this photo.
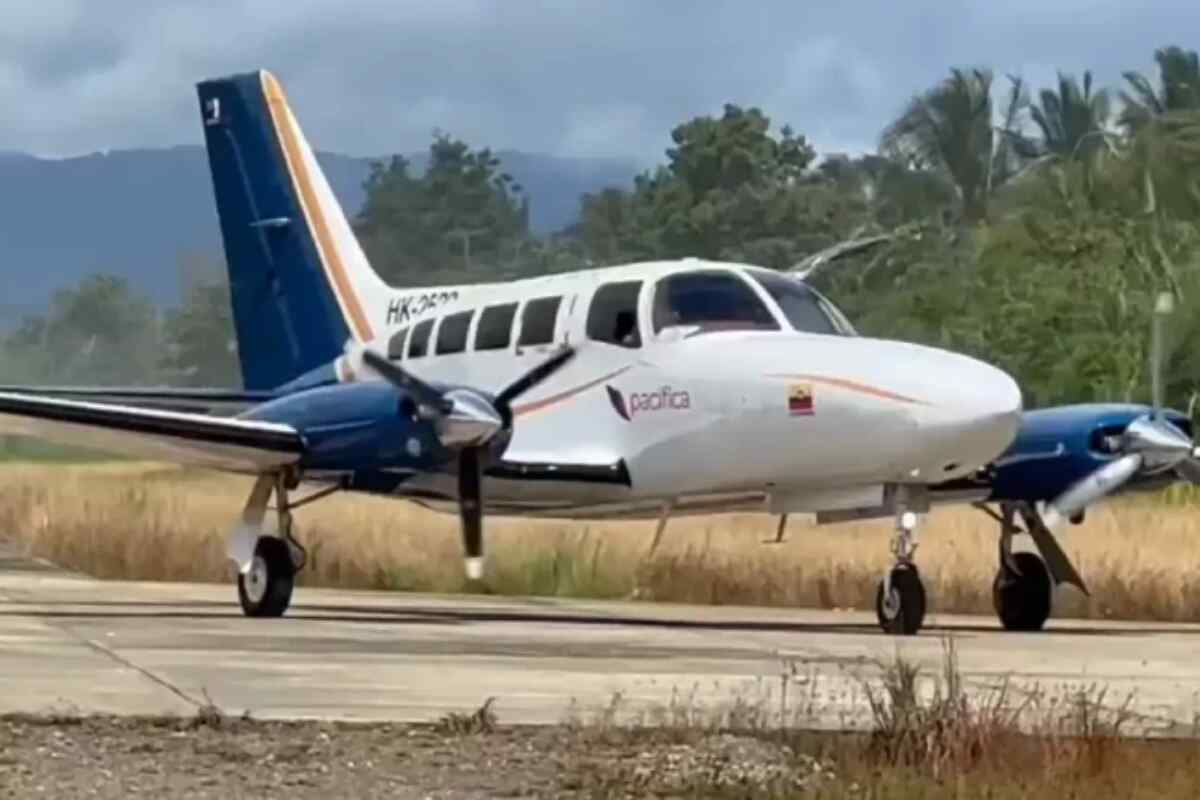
<point>607,78</point>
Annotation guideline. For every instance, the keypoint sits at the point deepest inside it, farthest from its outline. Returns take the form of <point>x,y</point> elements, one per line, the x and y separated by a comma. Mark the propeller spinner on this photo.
<point>467,420</point>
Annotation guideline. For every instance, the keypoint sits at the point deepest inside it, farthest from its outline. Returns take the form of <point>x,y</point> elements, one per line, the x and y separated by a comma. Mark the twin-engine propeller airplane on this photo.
<point>642,392</point>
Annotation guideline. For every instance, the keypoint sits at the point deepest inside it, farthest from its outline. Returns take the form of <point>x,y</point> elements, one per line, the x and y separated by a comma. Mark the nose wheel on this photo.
<point>900,598</point>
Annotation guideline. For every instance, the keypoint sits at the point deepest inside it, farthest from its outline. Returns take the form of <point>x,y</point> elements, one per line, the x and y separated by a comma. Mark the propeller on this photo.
<point>1149,444</point>
<point>468,421</point>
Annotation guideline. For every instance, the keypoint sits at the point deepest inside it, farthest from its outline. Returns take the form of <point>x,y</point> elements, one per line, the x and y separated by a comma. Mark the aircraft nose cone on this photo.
<point>974,416</point>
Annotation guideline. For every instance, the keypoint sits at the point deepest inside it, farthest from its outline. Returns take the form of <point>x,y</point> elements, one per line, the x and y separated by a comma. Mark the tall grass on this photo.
<point>146,522</point>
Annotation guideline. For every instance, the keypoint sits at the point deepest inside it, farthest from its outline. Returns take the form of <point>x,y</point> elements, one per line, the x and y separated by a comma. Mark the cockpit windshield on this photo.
<point>806,310</point>
<point>710,300</point>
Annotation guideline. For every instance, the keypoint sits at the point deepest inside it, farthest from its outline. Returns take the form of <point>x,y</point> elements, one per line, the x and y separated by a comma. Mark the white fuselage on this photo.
<point>707,420</point>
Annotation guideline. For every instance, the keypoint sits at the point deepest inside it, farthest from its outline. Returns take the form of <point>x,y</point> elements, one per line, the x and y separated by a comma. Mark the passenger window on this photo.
<point>452,333</point>
<point>538,321</point>
<point>710,301</point>
<point>494,331</point>
<point>613,315</point>
<point>396,345</point>
<point>418,343</point>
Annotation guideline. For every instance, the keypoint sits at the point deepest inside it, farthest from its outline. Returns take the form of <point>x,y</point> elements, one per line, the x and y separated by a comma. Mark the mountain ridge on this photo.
<point>136,213</point>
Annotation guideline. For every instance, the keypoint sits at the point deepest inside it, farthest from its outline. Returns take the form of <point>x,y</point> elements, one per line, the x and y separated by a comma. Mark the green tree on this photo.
<point>1179,88</point>
<point>99,332</point>
<point>459,220</point>
<point>726,191</point>
<point>200,345</point>
<point>949,128</point>
<point>1072,121</point>
<point>890,194</point>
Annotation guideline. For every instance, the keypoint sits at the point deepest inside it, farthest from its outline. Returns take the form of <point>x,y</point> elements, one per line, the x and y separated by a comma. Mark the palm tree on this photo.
<point>949,128</point>
<point>1179,76</point>
<point>1164,132</point>
<point>1072,120</point>
<point>1013,148</point>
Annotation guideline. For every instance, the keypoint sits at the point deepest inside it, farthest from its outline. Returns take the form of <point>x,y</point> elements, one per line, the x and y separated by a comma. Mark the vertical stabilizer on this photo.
<point>300,282</point>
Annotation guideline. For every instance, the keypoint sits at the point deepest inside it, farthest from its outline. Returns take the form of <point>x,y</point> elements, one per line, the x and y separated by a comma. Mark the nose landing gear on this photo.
<point>900,599</point>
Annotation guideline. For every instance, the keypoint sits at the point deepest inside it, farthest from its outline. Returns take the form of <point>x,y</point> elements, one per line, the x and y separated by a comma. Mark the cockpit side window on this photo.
<point>613,315</point>
<point>804,308</point>
<point>711,300</point>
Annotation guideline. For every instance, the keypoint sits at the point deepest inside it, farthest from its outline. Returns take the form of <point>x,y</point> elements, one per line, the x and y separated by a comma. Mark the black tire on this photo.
<point>266,591</point>
<point>1023,602</point>
<point>909,591</point>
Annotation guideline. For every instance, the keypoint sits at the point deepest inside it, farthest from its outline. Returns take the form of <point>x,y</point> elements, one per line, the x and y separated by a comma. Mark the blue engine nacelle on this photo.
<point>358,426</point>
<point>1055,447</point>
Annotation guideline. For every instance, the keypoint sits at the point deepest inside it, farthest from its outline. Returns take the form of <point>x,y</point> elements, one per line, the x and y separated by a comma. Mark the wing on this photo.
<point>202,401</point>
<point>194,439</point>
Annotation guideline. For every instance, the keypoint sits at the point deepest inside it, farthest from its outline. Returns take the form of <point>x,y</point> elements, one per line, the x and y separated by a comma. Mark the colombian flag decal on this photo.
<point>800,400</point>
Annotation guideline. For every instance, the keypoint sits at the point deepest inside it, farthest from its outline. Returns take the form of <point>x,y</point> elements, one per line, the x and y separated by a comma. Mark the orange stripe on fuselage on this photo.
<point>855,386</point>
<point>558,399</point>
<point>330,257</point>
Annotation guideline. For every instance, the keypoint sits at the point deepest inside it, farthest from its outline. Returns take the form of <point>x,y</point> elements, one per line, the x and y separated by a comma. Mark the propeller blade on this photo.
<point>1163,307</point>
<point>532,378</point>
<point>1189,470</point>
<point>1091,488</point>
<point>422,393</point>
<point>470,508</point>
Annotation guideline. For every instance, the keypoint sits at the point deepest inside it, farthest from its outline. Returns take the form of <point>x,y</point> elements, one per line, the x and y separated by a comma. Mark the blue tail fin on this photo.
<point>301,286</point>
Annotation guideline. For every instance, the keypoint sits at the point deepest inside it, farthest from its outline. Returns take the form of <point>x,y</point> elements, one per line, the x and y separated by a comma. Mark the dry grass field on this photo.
<point>147,522</point>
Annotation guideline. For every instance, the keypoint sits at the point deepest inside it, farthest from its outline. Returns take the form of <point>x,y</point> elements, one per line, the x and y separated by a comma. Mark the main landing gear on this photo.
<point>267,563</point>
<point>900,599</point>
<point>1023,590</point>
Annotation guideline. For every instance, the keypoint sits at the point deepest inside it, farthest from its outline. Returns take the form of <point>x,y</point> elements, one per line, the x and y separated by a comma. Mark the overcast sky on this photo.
<point>603,78</point>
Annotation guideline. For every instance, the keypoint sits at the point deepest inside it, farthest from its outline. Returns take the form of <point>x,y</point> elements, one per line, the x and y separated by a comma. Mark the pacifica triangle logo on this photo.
<point>663,399</point>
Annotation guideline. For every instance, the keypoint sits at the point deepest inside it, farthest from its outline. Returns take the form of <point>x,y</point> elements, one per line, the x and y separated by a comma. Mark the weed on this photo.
<point>482,720</point>
<point>208,714</point>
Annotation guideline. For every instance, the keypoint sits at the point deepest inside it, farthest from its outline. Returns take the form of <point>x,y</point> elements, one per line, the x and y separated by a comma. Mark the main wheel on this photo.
<point>902,611</point>
<point>1023,601</point>
<point>266,589</point>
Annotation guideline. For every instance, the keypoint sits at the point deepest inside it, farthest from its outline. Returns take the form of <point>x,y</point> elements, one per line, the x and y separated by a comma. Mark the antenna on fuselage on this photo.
<point>809,265</point>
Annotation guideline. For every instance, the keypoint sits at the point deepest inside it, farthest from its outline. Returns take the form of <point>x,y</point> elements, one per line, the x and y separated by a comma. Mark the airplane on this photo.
<point>1063,460</point>
<point>644,391</point>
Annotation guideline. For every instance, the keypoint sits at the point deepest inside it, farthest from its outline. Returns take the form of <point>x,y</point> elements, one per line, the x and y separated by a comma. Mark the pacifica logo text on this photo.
<point>665,399</point>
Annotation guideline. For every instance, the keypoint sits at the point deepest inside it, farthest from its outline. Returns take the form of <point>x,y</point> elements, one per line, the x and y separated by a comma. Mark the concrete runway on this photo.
<point>70,644</point>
